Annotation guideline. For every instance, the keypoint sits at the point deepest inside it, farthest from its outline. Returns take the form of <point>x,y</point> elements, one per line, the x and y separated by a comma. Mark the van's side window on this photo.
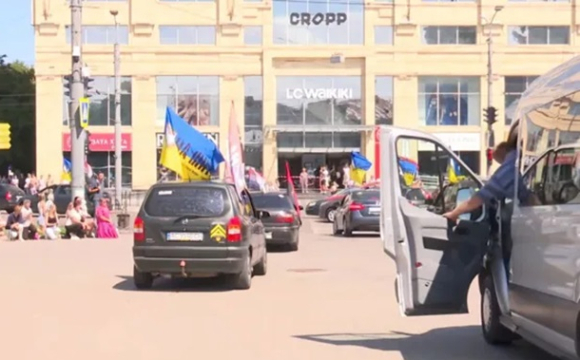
<point>552,178</point>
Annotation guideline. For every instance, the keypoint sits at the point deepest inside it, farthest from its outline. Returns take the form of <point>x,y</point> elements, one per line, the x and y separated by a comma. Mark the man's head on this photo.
<point>17,209</point>
<point>26,204</point>
<point>101,176</point>
<point>500,152</point>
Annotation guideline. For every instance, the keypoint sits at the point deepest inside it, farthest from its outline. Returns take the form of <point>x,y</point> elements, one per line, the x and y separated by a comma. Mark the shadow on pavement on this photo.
<point>213,284</point>
<point>360,235</point>
<point>456,343</point>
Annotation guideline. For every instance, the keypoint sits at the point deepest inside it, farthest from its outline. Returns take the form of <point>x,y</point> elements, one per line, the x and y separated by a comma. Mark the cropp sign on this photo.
<point>317,18</point>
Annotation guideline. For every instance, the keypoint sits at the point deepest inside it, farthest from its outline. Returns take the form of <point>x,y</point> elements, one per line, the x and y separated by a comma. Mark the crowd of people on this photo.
<point>31,184</point>
<point>78,223</point>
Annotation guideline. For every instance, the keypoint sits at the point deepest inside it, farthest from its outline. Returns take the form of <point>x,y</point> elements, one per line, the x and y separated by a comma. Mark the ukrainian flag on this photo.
<point>359,167</point>
<point>454,172</point>
<point>409,170</point>
<point>66,170</point>
<point>188,152</point>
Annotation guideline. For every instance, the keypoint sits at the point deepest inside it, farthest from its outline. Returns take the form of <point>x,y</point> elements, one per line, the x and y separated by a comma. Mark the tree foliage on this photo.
<point>17,107</point>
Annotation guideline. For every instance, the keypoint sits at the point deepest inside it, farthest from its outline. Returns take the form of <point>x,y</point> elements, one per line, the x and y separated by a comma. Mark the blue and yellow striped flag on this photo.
<point>359,167</point>
<point>188,152</point>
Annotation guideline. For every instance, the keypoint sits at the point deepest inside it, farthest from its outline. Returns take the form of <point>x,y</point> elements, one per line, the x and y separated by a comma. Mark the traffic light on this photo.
<point>89,90</point>
<point>67,82</point>
<point>5,136</point>
<point>490,114</point>
<point>88,143</point>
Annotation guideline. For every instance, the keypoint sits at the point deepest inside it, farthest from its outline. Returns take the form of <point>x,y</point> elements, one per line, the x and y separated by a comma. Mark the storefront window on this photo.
<point>102,102</point>
<point>253,121</point>
<point>318,140</point>
<point>195,98</point>
<point>104,162</point>
<point>449,101</point>
<point>318,100</point>
<point>384,100</point>
<point>316,22</point>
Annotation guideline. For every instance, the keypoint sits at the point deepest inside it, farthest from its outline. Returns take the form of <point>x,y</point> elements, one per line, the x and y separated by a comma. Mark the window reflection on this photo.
<point>539,35</point>
<point>195,98</point>
<point>320,140</point>
<point>100,34</point>
<point>187,35</point>
<point>384,35</point>
<point>514,87</point>
<point>384,100</point>
<point>449,100</point>
<point>253,35</point>
<point>312,22</point>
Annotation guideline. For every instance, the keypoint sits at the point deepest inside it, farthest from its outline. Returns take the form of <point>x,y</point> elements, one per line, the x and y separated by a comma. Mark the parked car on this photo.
<point>199,228</point>
<point>10,195</point>
<point>358,211</point>
<point>328,207</point>
<point>313,207</point>
<point>282,227</point>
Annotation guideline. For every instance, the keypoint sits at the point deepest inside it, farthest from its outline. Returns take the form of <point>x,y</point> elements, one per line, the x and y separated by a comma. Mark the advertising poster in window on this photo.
<point>164,174</point>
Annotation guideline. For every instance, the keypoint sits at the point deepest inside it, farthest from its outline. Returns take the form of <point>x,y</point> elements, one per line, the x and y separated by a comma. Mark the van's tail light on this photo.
<point>234,230</point>
<point>138,230</point>
<point>356,207</point>
<point>8,196</point>
<point>285,218</point>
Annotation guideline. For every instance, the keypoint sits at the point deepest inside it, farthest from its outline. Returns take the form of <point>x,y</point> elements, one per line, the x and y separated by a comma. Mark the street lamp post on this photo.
<point>118,129</point>
<point>489,133</point>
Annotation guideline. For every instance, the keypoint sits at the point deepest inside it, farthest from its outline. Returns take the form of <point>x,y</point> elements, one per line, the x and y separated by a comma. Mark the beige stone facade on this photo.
<point>406,60</point>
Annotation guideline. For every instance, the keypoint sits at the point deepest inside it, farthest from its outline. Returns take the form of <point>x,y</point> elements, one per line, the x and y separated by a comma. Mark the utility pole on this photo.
<point>490,138</point>
<point>78,135</point>
<point>118,128</point>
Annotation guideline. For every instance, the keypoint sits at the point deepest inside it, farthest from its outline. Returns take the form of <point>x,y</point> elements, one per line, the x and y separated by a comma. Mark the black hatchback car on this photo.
<point>282,227</point>
<point>198,229</point>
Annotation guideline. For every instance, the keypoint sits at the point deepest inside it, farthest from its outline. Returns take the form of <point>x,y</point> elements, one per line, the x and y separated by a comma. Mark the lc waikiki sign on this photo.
<point>319,94</point>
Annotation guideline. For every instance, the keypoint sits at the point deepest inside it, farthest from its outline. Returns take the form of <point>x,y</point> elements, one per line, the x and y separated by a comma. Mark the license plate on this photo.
<point>184,236</point>
<point>268,235</point>
<point>374,210</point>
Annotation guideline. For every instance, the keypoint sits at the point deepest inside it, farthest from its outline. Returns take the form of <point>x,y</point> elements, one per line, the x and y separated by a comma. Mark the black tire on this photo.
<point>347,232</point>
<point>261,268</point>
<point>328,216</point>
<point>142,280</point>
<point>335,229</point>
<point>494,332</point>
<point>243,280</point>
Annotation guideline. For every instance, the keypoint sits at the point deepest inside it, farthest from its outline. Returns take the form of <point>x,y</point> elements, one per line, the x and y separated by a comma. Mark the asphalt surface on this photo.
<point>333,299</point>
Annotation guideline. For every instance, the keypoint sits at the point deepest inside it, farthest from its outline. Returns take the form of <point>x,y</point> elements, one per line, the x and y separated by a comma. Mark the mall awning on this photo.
<point>319,128</point>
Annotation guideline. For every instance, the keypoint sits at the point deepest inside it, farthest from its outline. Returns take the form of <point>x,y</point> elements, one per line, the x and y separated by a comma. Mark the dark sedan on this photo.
<point>313,207</point>
<point>328,207</point>
<point>10,195</point>
<point>359,211</point>
<point>283,225</point>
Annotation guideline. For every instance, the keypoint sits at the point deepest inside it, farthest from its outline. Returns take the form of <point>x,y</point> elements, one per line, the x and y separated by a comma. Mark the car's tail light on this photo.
<point>234,230</point>
<point>8,196</point>
<point>356,207</point>
<point>285,218</point>
<point>138,229</point>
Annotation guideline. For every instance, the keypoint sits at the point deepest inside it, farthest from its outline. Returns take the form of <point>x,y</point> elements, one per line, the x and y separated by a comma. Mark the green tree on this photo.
<point>17,107</point>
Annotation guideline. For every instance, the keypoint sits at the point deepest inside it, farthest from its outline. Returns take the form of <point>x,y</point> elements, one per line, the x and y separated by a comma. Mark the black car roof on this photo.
<point>178,184</point>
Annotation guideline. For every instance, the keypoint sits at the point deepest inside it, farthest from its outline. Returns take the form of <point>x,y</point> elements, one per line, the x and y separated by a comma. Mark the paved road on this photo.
<point>331,300</point>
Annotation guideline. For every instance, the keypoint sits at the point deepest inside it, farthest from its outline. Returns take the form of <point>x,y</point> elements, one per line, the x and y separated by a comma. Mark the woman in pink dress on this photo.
<point>105,227</point>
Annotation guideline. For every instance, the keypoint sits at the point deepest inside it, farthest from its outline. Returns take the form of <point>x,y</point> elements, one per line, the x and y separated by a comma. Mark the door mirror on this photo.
<point>261,214</point>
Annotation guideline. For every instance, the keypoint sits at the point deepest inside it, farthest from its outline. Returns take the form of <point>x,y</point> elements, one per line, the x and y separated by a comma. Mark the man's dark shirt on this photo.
<point>501,185</point>
<point>14,219</point>
<point>95,184</point>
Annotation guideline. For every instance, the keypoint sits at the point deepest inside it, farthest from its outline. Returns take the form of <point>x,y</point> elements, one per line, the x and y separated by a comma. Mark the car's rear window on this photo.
<point>366,196</point>
<point>272,201</point>
<point>187,201</point>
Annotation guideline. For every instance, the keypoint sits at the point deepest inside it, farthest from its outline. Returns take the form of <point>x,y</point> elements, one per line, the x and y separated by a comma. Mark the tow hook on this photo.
<point>182,264</point>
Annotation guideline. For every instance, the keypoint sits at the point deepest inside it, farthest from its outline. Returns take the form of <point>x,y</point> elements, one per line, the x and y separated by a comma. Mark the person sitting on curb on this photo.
<point>14,224</point>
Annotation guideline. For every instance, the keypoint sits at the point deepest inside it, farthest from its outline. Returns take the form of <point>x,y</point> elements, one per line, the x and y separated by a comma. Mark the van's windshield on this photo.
<point>187,201</point>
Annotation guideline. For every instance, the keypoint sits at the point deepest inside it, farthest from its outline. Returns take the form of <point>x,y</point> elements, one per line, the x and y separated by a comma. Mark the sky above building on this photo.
<point>16,31</point>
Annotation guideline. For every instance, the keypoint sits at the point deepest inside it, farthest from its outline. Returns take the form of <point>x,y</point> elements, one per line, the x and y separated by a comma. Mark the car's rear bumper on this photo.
<point>361,223</point>
<point>198,260</point>
<point>282,235</point>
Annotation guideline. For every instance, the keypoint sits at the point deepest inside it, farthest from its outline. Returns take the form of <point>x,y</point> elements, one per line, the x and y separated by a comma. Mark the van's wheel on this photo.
<point>494,332</point>
<point>243,280</point>
<point>261,268</point>
<point>142,280</point>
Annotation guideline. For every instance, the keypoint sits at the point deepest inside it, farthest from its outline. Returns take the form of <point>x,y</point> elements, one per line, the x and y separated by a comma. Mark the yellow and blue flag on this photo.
<point>359,167</point>
<point>453,172</point>
<point>188,152</point>
<point>408,169</point>
<point>66,170</point>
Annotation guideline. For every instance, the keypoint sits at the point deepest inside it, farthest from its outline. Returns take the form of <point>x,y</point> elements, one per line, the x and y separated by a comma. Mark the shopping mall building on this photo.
<point>310,80</point>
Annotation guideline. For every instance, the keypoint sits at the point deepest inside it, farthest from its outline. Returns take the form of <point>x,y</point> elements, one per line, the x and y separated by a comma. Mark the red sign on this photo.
<point>100,142</point>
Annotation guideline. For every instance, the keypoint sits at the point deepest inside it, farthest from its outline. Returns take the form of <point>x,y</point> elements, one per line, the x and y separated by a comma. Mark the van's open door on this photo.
<point>436,261</point>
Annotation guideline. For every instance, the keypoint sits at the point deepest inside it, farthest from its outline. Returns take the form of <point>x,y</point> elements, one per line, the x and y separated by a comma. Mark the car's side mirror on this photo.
<point>261,214</point>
